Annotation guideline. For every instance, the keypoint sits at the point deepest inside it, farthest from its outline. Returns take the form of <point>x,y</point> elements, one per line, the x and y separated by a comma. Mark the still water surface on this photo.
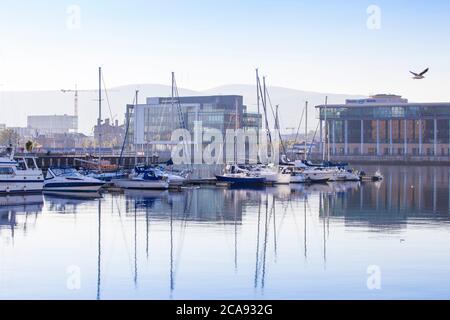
<point>287,242</point>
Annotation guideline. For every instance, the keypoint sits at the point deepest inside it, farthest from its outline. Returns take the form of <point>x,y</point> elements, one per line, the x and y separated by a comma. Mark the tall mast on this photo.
<point>99,116</point>
<point>136,93</point>
<point>306,129</point>
<point>258,97</point>
<point>265,115</point>
<point>236,128</point>
<point>325,147</point>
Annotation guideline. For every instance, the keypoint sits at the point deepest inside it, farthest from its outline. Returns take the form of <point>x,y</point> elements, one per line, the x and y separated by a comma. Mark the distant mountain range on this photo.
<point>16,105</point>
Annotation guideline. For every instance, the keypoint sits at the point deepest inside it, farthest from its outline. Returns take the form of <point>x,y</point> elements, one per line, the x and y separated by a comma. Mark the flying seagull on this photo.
<point>418,76</point>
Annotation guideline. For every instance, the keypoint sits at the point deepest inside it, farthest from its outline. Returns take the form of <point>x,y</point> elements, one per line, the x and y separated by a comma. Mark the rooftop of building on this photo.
<point>382,100</point>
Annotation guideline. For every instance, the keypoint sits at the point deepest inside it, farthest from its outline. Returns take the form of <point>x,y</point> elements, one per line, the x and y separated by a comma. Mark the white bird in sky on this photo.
<point>418,76</point>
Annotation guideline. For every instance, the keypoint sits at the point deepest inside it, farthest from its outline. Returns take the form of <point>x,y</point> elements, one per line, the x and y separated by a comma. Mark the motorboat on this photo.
<point>19,175</point>
<point>273,174</point>
<point>346,175</point>
<point>143,178</point>
<point>70,180</point>
<point>318,174</point>
<point>377,176</point>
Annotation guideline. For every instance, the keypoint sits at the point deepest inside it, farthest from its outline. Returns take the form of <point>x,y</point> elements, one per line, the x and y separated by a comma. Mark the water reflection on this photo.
<point>16,211</point>
<point>238,239</point>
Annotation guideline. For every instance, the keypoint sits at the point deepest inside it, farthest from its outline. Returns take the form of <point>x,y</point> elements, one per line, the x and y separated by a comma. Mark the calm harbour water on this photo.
<point>286,242</point>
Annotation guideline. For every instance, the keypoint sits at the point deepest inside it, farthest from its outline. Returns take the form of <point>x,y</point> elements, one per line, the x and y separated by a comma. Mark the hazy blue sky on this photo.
<point>322,46</point>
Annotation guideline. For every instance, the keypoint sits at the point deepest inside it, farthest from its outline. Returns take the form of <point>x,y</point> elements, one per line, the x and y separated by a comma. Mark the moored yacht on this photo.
<point>143,178</point>
<point>70,180</point>
<point>21,175</point>
<point>238,176</point>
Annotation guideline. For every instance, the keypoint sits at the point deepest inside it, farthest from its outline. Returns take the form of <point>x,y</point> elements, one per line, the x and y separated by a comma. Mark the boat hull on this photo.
<point>19,186</point>
<point>241,180</point>
<point>318,177</point>
<point>74,187</point>
<point>141,184</point>
<point>277,178</point>
<point>298,178</point>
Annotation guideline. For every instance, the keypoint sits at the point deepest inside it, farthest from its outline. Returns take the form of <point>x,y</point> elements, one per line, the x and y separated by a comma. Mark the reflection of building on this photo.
<point>155,120</point>
<point>54,124</point>
<point>405,194</point>
<point>387,125</point>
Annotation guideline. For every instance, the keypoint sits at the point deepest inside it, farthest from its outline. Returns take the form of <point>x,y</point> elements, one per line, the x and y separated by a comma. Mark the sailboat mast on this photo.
<point>306,129</point>
<point>258,97</point>
<point>324,143</point>
<point>236,128</point>
<point>135,107</point>
<point>99,117</point>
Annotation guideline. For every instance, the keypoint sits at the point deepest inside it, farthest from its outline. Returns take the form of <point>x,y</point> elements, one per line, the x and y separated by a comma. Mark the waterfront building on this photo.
<point>152,123</point>
<point>53,124</point>
<point>112,134</point>
<point>385,125</point>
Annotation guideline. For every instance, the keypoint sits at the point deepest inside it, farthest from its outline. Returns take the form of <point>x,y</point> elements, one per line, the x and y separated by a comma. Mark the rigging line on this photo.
<point>268,133</point>
<point>277,119</point>
<point>107,96</point>
<point>299,125</point>
<point>314,138</point>
<point>126,134</point>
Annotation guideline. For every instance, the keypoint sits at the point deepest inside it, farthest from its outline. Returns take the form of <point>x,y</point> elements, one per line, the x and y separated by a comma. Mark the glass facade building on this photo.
<point>152,123</point>
<point>386,125</point>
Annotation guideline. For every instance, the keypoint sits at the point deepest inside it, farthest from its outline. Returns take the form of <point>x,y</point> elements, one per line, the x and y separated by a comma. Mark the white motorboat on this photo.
<point>346,175</point>
<point>21,175</point>
<point>143,178</point>
<point>70,180</point>
<point>319,174</point>
<point>271,173</point>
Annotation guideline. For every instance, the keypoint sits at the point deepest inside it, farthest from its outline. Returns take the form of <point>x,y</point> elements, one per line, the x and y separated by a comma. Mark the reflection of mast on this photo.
<point>257,246</point>
<point>171,251</point>
<point>146,230</point>
<point>99,247</point>
<point>235,238</point>
<point>274,231</point>
<point>135,245</point>
<point>304,233</point>
<point>265,243</point>
<point>324,225</point>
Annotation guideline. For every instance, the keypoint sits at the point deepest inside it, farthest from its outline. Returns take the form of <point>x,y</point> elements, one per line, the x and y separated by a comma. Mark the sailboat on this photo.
<point>238,176</point>
<point>273,174</point>
<point>235,175</point>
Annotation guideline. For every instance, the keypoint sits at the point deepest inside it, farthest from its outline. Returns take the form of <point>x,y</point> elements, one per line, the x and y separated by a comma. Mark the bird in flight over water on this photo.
<point>418,76</point>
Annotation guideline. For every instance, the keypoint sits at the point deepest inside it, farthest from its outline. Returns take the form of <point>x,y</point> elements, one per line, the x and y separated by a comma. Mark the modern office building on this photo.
<point>53,124</point>
<point>152,123</point>
<point>385,125</point>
